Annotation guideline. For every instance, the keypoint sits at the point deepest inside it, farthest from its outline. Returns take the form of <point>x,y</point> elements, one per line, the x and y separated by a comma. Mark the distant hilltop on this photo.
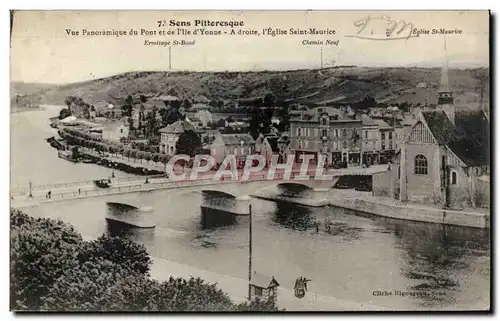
<point>336,85</point>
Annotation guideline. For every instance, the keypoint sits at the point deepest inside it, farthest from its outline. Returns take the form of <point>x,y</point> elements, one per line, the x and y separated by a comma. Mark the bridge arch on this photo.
<point>294,189</point>
<point>217,194</point>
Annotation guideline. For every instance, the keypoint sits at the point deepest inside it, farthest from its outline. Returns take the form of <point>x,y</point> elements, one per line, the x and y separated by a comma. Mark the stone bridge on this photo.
<point>294,185</point>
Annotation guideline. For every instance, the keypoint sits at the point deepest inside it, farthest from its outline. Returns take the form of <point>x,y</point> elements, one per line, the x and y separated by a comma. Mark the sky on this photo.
<point>43,52</point>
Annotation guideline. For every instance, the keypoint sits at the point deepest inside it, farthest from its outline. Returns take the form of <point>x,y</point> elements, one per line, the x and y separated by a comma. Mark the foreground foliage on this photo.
<point>53,269</point>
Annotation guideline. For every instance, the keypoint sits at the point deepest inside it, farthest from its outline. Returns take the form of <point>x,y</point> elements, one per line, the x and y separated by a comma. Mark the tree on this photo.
<point>269,100</point>
<point>54,269</point>
<point>187,104</point>
<point>65,112</point>
<point>140,155</point>
<point>257,305</point>
<point>41,251</point>
<point>118,250</point>
<point>221,123</point>
<point>164,158</point>
<point>189,143</point>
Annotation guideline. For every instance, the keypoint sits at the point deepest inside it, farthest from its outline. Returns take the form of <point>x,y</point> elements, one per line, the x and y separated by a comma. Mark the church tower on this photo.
<point>445,95</point>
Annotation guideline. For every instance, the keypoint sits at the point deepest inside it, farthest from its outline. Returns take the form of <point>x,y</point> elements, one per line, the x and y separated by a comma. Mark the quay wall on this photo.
<point>414,213</point>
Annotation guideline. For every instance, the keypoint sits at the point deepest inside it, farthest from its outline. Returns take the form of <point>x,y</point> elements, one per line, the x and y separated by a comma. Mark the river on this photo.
<point>360,255</point>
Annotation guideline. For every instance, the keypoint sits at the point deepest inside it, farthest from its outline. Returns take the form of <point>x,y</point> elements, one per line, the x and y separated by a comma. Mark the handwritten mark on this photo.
<point>369,29</point>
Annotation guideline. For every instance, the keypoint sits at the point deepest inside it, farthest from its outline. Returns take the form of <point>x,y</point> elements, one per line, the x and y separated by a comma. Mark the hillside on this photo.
<point>340,84</point>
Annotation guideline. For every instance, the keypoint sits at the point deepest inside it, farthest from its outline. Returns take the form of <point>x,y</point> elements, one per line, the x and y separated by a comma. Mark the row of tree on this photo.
<point>53,269</point>
<point>78,138</point>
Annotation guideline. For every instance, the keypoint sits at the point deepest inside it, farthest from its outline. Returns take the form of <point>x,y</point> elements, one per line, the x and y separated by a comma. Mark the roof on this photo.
<point>468,138</point>
<point>178,127</point>
<point>367,121</point>
<point>236,139</point>
<point>381,124</point>
<point>263,281</point>
<point>408,120</point>
<point>315,113</point>
<point>165,97</point>
<point>199,106</point>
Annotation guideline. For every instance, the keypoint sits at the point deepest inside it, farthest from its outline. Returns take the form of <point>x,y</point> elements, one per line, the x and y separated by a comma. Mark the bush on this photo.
<point>54,269</point>
<point>118,250</point>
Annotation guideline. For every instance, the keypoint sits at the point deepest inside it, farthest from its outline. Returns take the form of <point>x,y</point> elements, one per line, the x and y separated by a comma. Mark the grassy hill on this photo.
<point>341,84</point>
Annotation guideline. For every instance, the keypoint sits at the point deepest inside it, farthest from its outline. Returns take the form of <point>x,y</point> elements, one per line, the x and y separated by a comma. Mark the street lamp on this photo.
<point>250,252</point>
<point>31,194</point>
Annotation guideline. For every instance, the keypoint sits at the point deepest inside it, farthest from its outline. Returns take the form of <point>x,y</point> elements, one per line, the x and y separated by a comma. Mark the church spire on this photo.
<point>445,95</point>
<point>445,85</point>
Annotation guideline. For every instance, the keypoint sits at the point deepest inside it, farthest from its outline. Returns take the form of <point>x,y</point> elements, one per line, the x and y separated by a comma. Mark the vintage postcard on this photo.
<point>250,161</point>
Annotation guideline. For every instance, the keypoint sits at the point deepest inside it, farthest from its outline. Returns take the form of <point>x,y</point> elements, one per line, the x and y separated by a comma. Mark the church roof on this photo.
<point>468,138</point>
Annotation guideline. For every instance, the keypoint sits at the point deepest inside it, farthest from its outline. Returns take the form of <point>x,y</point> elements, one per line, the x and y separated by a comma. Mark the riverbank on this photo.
<point>237,289</point>
<point>383,206</point>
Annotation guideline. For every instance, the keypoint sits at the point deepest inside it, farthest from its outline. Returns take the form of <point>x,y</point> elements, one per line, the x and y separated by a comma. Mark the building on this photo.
<point>263,288</point>
<point>369,140</point>
<point>201,117</point>
<point>239,145</point>
<point>386,143</point>
<point>263,147</point>
<point>283,146</point>
<point>445,157</point>
<point>170,135</point>
<point>115,131</point>
<point>326,131</point>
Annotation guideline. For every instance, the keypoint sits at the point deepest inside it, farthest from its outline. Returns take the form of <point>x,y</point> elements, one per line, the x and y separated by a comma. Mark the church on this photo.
<point>445,159</point>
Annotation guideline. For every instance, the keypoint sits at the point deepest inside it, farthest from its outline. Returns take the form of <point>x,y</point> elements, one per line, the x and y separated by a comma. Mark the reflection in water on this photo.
<point>344,230</point>
<point>213,218</point>
<point>119,229</point>
<point>436,254</point>
<point>293,216</point>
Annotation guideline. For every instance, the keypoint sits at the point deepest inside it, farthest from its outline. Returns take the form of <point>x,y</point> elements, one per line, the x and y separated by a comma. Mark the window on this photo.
<point>345,144</point>
<point>366,134</point>
<point>344,132</point>
<point>420,164</point>
<point>383,145</point>
<point>453,178</point>
<point>324,132</point>
<point>323,121</point>
<point>298,131</point>
<point>121,130</point>
<point>383,136</point>
<point>258,291</point>
<point>336,133</point>
<point>399,172</point>
<point>390,135</point>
